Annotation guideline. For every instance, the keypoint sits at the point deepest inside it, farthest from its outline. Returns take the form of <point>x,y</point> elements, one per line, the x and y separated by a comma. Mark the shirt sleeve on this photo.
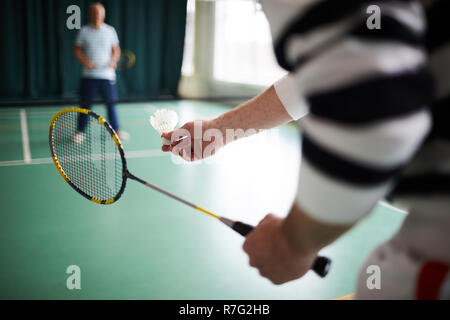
<point>115,38</point>
<point>292,100</point>
<point>81,38</point>
<point>367,91</point>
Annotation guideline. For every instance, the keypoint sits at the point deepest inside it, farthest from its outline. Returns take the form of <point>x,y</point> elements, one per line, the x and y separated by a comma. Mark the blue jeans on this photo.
<point>89,89</point>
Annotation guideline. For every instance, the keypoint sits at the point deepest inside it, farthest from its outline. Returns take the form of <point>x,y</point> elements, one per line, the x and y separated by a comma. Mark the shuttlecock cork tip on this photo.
<point>164,121</point>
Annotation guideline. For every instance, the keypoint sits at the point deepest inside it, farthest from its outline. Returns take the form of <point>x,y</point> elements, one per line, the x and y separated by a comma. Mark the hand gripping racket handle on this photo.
<point>321,266</point>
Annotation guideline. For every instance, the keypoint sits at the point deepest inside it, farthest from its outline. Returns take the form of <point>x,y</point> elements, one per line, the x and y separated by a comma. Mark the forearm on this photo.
<point>265,111</point>
<point>115,54</point>
<point>79,54</point>
<point>306,235</point>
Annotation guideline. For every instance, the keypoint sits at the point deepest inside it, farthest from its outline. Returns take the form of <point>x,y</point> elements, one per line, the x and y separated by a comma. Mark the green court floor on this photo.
<point>147,246</point>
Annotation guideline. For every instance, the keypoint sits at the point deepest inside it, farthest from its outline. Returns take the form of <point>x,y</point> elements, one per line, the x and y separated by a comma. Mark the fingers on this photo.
<point>167,135</point>
<point>268,219</point>
<point>175,143</point>
<point>176,136</point>
<point>165,148</point>
<point>182,148</point>
<point>169,147</point>
<point>185,144</point>
<point>265,253</point>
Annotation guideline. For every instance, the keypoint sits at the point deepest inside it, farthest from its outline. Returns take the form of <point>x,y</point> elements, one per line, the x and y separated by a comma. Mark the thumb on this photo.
<point>167,135</point>
<point>181,132</point>
<point>166,138</point>
<point>174,136</point>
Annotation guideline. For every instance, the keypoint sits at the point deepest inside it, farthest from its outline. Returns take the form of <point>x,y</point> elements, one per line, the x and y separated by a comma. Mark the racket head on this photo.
<point>126,61</point>
<point>96,168</point>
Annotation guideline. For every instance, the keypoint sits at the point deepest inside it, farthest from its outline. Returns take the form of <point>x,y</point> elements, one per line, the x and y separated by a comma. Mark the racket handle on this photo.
<point>321,266</point>
<point>242,228</point>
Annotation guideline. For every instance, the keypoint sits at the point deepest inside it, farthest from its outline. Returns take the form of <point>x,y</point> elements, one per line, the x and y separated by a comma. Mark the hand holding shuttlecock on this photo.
<point>164,121</point>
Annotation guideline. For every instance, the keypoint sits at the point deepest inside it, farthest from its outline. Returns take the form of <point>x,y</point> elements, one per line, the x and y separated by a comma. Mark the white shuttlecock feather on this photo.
<point>164,121</point>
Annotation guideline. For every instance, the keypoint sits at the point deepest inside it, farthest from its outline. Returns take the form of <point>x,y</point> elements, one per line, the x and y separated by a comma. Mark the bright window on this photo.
<point>243,51</point>
<point>188,55</point>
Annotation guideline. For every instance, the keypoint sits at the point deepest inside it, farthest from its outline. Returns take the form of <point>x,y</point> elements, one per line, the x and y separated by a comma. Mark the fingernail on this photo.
<point>165,141</point>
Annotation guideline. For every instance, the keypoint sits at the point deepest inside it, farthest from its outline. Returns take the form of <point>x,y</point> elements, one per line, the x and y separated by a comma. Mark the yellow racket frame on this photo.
<point>58,165</point>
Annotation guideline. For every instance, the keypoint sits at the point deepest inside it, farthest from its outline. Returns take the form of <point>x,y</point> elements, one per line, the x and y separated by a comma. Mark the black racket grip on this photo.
<point>242,228</point>
<point>321,266</point>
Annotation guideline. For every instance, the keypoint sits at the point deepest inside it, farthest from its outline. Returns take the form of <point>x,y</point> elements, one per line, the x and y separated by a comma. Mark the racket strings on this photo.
<point>127,60</point>
<point>93,164</point>
<point>123,62</point>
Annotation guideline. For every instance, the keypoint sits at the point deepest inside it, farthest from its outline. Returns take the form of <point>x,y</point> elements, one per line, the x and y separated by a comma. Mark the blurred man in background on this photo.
<point>97,48</point>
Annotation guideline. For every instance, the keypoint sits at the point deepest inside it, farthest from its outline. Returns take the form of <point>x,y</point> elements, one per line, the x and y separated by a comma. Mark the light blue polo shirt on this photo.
<point>97,46</point>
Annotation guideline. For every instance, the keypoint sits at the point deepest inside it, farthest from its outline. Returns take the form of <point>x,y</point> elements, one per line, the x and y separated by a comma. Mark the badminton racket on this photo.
<point>93,163</point>
<point>126,60</point>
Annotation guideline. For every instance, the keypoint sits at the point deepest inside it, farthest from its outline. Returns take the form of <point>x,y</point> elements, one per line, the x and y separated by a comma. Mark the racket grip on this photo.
<point>242,228</point>
<point>321,266</point>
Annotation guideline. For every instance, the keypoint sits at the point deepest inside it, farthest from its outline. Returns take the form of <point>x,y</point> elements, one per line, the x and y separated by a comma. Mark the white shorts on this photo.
<point>414,264</point>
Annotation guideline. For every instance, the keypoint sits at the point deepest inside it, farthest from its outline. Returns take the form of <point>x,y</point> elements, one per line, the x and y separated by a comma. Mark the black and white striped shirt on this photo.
<point>368,95</point>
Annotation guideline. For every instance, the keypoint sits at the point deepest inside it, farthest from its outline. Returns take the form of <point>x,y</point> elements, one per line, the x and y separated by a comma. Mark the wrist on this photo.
<point>219,123</point>
<point>302,233</point>
<point>231,127</point>
<point>295,241</point>
<point>308,235</point>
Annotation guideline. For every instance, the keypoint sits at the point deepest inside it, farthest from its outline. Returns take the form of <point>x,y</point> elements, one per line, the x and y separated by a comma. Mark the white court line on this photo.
<point>145,154</point>
<point>25,138</point>
<point>387,205</point>
<point>129,155</point>
<point>50,113</point>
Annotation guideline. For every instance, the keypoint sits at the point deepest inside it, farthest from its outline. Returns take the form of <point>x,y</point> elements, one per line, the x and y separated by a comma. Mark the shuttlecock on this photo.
<point>164,121</point>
